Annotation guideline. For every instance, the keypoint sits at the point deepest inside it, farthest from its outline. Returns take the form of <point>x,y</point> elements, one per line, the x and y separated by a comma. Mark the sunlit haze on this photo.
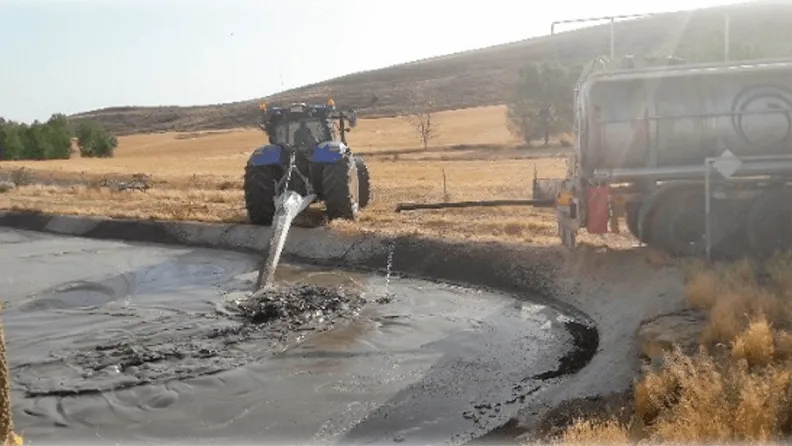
<point>73,56</point>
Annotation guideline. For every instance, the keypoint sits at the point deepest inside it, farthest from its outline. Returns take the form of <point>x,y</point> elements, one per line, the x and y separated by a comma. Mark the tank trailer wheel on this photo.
<point>632,210</point>
<point>769,223</point>
<point>364,182</point>
<point>677,224</point>
<point>259,186</point>
<point>340,184</point>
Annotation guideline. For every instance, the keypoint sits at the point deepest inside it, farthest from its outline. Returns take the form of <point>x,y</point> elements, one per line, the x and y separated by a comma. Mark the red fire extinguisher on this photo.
<point>598,209</point>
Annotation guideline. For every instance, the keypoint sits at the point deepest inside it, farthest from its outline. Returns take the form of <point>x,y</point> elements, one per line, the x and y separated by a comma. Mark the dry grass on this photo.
<point>199,177</point>
<point>738,387</point>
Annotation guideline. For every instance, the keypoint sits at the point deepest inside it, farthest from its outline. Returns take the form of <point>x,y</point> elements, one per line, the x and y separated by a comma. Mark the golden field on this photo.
<point>198,176</point>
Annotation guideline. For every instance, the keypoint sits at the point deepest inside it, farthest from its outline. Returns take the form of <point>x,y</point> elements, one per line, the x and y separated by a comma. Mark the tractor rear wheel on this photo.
<point>340,185</point>
<point>259,189</point>
<point>364,182</point>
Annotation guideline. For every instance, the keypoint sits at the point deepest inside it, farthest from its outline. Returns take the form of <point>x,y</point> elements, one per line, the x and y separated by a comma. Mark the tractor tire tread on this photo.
<point>364,179</point>
<point>259,188</point>
<point>335,184</point>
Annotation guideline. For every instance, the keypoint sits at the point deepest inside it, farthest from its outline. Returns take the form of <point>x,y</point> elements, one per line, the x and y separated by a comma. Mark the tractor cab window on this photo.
<point>286,132</point>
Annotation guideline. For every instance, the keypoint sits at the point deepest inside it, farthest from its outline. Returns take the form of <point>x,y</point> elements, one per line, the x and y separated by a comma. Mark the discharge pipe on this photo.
<point>612,19</point>
<point>543,203</point>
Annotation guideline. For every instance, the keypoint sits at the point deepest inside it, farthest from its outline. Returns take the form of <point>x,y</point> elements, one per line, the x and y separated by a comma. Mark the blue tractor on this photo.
<point>307,153</point>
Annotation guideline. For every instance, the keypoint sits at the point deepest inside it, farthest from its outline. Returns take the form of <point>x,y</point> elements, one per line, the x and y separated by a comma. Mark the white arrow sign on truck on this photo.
<point>727,164</point>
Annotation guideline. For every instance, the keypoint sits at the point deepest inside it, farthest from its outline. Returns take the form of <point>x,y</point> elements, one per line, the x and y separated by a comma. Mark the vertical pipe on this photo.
<point>707,233</point>
<point>726,36</point>
<point>342,125</point>
<point>612,39</point>
<point>552,28</point>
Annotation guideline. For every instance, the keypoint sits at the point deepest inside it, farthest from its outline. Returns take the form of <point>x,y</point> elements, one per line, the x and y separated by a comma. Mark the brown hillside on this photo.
<point>484,76</point>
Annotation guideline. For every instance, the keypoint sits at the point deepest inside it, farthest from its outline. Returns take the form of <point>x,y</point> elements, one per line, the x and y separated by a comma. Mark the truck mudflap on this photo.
<point>598,211</point>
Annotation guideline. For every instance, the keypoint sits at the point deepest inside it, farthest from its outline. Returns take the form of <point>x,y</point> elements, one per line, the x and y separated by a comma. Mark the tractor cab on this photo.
<point>287,126</point>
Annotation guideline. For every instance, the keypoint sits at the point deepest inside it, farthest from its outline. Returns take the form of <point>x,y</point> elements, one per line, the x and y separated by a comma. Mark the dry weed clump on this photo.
<point>7,434</point>
<point>592,432</point>
<point>713,401</point>
<point>738,387</point>
<point>756,344</point>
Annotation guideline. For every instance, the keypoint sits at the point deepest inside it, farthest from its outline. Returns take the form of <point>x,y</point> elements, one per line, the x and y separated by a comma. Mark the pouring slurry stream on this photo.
<point>288,205</point>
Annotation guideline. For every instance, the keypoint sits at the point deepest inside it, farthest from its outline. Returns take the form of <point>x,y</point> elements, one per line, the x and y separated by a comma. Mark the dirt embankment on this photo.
<point>635,297</point>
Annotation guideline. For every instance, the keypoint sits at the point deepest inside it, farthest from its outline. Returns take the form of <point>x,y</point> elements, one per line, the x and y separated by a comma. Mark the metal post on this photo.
<point>726,36</point>
<point>612,38</point>
<point>599,19</point>
<point>707,232</point>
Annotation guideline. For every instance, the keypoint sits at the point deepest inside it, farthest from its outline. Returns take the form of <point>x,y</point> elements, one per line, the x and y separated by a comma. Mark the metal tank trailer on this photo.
<point>697,156</point>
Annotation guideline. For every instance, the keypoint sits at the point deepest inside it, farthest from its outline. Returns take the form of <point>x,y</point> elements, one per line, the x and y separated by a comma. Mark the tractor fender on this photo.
<point>329,152</point>
<point>266,156</point>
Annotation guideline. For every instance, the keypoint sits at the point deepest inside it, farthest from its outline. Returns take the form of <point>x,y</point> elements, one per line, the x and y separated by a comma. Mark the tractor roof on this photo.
<point>297,111</point>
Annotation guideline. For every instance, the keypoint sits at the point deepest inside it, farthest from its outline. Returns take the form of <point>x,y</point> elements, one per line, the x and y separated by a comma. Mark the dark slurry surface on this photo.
<point>202,345</point>
<point>117,342</point>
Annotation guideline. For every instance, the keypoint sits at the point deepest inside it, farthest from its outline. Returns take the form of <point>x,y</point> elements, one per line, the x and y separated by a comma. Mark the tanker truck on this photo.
<point>697,157</point>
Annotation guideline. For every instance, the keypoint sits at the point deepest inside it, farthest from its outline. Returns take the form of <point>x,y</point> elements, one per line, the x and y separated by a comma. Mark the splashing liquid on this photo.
<point>389,270</point>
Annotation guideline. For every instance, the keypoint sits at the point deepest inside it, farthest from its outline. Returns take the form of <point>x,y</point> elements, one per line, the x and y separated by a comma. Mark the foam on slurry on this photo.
<point>297,305</point>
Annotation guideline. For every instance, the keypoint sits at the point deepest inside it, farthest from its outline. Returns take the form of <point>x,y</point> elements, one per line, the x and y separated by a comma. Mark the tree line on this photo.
<point>53,139</point>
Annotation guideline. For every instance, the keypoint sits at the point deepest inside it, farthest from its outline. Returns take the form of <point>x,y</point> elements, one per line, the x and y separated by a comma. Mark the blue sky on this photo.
<point>77,55</point>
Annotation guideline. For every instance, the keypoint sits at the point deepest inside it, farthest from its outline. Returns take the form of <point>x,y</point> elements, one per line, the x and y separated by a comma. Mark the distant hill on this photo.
<point>485,76</point>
